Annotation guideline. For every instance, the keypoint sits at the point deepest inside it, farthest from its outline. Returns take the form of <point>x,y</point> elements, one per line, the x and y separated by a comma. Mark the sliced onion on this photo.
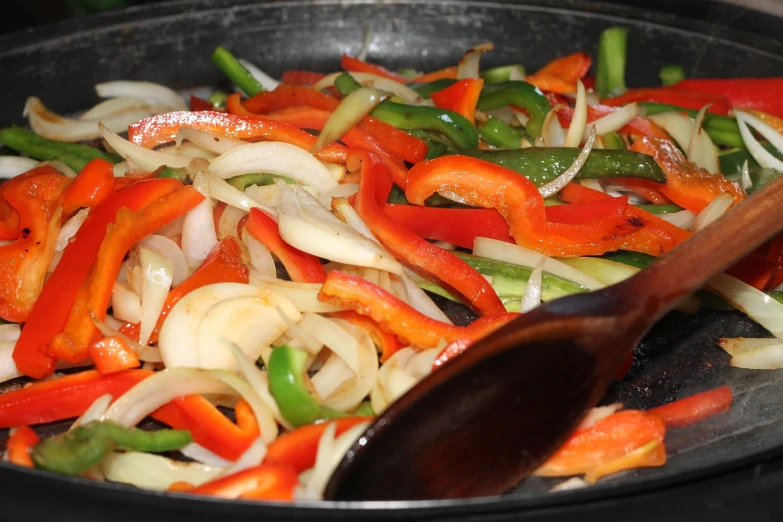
<point>683,219</point>
<point>96,410</point>
<point>518,255</point>
<point>111,107</point>
<point>303,295</point>
<point>615,120</point>
<point>145,159</point>
<point>148,91</point>
<point>754,303</point>
<point>108,327</point>
<point>148,471</point>
<point>282,159</point>
<point>10,332</point>
<point>552,133</point>
<point>745,177</point>
<point>341,191</point>
<point>568,485</point>
<point>11,166</point>
<point>305,224</point>
<point>333,337</point>
<point>599,413</point>
<point>606,271</point>
<point>228,224</point>
<point>260,256</point>
<point>331,375</point>
<point>764,358</point>
<point>69,229</point>
<point>220,190</point>
<point>158,275</point>
<point>392,380</point>
<point>400,90</point>
<point>557,184</point>
<point>330,452</point>
<point>352,109</point>
<point>366,41</point>
<point>171,251</point>
<point>55,127</point>
<point>532,297</point>
<point>251,457</point>
<point>208,141</point>
<point>714,210</point>
<point>468,66</point>
<point>266,81</point>
<point>700,149</point>
<point>125,303</point>
<point>681,127</point>
<point>593,184</point>
<point>198,227</point>
<point>740,345</point>
<point>202,455</point>
<point>759,153</point>
<point>61,167</point>
<point>8,368</point>
<point>576,130</point>
<point>188,150</point>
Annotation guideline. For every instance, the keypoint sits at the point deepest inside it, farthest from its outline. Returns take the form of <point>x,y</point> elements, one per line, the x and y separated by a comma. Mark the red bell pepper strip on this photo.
<point>432,261</point>
<point>93,184</point>
<point>458,226</point>
<point>262,482</point>
<point>388,343</point>
<point>19,445</point>
<point>608,439</point>
<point>222,265</point>
<point>301,77</point>
<point>686,185</point>
<point>396,141</point>
<point>290,96</point>
<point>560,75</point>
<point>200,104</point>
<point>299,447</point>
<point>163,128</point>
<point>485,184</point>
<point>638,126</point>
<point>575,213</point>
<point>131,178</point>
<point>131,330</point>
<point>112,354</point>
<point>36,195</point>
<point>10,220</point>
<point>695,408</point>
<point>94,295</point>
<point>447,73</point>
<point>63,398</point>
<point>396,316</point>
<point>461,97</point>
<point>301,266</point>
<point>775,256</point>
<point>743,93</point>
<point>689,99</point>
<point>349,63</point>
<point>54,304</point>
<point>753,269</point>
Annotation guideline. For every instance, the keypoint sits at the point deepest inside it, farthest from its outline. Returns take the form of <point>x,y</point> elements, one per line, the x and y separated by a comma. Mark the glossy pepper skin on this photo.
<point>76,451</point>
<point>542,165</point>
<point>519,94</point>
<point>74,155</point>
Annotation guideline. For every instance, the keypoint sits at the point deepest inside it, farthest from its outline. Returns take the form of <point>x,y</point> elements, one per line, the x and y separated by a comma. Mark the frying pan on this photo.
<point>722,469</point>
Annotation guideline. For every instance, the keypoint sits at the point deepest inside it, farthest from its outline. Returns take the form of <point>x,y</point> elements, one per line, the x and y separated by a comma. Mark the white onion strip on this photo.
<point>303,295</point>
<point>552,133</point>
<point>111,107</point>
<point>468,66</point>
<point>754,303</point>
<point>69,229</point>
<point>11,166</point>
<point>96,410</point>
<point>158,274</point>
<point>683,219</point>
<point>576,130</point>
<point>333,337</point>
<point>532,297</point>
<point>615,120</point>
<point>198,227</point>
<point>220,190</point>
<point>155,472</point>
<point>148,91</point>
<point>352,109</point>
<point>759,153</point>
<point>398,89</point>
<point>206,140</point>
<point>739,345</point>
<point>266,81</point>
<point>144,159</point>
<point>714,210</point>
<point>764,358</point>
<point>171,251</point>
<point>8,368</point>
<point>557,184</point>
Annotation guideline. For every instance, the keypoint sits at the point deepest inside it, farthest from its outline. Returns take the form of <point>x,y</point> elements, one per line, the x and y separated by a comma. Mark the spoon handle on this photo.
<point>690,265</point>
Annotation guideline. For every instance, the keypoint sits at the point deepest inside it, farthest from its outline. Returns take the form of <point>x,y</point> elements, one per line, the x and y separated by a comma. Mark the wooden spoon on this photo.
<point>487,419</point>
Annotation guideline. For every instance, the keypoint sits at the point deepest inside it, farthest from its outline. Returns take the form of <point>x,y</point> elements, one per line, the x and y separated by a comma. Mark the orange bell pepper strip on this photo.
<point>19,445</point>
<point>431,261</point>
<point>94,295</point>
<point>131,178</point>
<point>396,316</point>
<point>36,195</point>
<point>607,440</point>
<point>686,185</point>
<point>285,96</point>
<point>10,220</point>
<point>299,447</point>
<point>386,342</point>
<point>163,128</point>
<point>295,77</point>
<point>208,426</point>
<point>112,354</point>
<point>262,482</point>
<point>560,75</point>
<point>349,63</point>
<point>574,213</point>
<point>638,126</point>
<point>461,96</point>
<point>301,266</point>
<point>63,398</point>
<point>447,73</point>
<point>695,408</point>
<point>484,184</point>
<point>51,309</point>
<point>649,190</point>
<point>651,455</point>
<point>93,184</point>
<point>396,141</point>
<point>653,236</point>
<point>222,265</point>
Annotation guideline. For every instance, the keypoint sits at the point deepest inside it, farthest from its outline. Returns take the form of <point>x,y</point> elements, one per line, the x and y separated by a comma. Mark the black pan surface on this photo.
<point>724,469</point>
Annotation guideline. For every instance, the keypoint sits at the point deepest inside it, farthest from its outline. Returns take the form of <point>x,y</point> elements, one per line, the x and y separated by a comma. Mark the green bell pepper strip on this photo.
<point>409,117</point>
<point>218,99</point>
<point>76,451</point>
<point>74,155</point>
<point>613,141</point>
<point>287,367</point>
<point>723,130</point>
<point>518,94</point>
<point>236,72</point>
<point>364,410</point>
<point>610,66</point>
<point>542,165</point>
<point>671,74</point>
<point>180,174</point>
<point>759,178</point>
<point>660,209</point>
<point>776,295</point>
<point>731,161</point>
<point>500,74</point>
<point>243,181</point>
<point>425,90</point>
<point>637,259</point>
<point>498,133</point>
<point>509,281</point>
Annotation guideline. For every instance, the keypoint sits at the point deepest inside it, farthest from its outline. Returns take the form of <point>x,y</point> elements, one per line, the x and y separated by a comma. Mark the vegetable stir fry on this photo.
<point>252,277</point>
